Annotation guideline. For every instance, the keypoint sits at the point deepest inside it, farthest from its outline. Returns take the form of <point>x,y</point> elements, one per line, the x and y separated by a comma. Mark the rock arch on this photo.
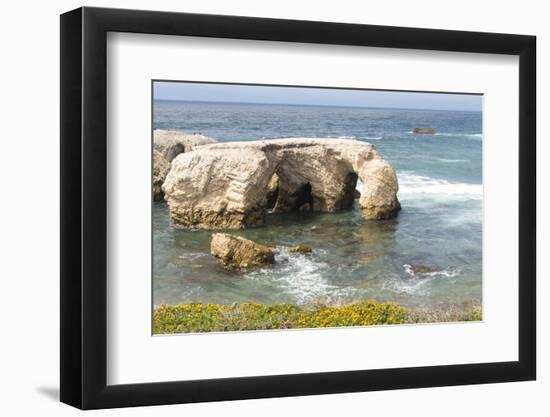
<point>231,185</point>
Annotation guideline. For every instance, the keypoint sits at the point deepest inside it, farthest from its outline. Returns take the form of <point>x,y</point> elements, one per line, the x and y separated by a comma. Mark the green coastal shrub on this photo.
<point>360,314</point>
<point>191,318</point>
<point>185,318</point>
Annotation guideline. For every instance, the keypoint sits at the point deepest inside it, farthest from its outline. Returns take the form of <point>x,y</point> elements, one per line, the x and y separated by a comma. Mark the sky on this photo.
<point>313,96</point>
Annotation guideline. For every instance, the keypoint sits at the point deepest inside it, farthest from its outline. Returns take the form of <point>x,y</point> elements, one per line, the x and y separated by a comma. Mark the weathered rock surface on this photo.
<point>237,252</point>
<point>424,130</point>
<point>161,167</point>
<point>272,192</point>
<point>420,269</point>
<point>167,144</point>
<point>301,248</point>
<point>231,185</point>
<point>171,143</point>
<point>378,198</point>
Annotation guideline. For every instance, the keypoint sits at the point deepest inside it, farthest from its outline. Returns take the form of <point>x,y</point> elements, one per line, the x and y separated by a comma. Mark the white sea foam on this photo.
<point>410,287</point>
<point>478,136</point>
<point>367,138</point>
<point>447,273</point>
<point>412,184</point>
<point>300,276</point>
<point>418,283</point>
<point>473,135</point>
<point>461,135</point>
<point>397,284</point>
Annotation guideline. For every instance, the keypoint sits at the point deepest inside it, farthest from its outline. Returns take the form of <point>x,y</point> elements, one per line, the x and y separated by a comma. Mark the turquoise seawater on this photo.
<point>439,226</point>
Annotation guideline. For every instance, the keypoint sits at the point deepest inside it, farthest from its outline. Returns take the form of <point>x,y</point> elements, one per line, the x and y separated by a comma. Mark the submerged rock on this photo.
<point>301,248</point>
<point>420,269</point>
<point>232,185</point>
<point>424,131</point>
<point>237,252</point>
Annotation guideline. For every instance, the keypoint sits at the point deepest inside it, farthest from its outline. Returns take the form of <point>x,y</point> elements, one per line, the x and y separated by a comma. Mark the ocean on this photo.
<point>429,256</point>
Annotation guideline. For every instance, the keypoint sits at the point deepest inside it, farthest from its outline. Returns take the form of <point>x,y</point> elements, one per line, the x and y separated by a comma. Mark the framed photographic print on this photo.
<point>258,207</point>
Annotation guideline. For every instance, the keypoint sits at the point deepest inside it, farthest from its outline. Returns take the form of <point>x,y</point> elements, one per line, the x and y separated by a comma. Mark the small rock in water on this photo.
<point>424,131</point>
<point>301,248</point>
<point>237,252</point>
<point>422,269</point>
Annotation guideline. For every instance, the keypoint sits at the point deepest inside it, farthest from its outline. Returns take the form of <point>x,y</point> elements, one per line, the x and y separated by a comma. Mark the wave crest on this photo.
<point>410,184</point>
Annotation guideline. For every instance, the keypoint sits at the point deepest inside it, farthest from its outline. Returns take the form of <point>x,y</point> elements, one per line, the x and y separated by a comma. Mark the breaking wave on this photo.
<point>478,136</point>
<point>364,138</point>
<point>300,276</point>
<point>410,184</point>
<point>465,135</point>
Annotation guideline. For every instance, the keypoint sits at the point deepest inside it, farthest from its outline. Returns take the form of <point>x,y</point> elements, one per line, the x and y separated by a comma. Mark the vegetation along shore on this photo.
<point>197,317</point>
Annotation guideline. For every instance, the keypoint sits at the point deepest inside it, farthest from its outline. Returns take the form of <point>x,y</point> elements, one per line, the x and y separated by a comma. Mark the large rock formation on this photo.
<point>167,144</point>
<point>171,143</point>
<point>161,167</point>
<point>238,252</point>
<point>232,185</point>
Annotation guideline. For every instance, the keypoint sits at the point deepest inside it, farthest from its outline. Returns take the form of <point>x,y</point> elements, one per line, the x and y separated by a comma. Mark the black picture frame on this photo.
<point>84,207</point>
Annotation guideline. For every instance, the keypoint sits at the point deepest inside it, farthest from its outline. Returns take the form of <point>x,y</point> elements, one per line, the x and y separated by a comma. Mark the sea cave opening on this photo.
<point>285,197</point>
<point>349,191</point>
<point>303,199</point>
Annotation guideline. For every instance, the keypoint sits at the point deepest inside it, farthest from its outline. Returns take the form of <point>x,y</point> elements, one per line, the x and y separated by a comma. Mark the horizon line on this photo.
<point>310,105</point>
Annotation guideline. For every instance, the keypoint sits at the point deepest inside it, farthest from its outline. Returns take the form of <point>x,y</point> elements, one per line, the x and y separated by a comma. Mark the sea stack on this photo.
<point>230,185</point>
